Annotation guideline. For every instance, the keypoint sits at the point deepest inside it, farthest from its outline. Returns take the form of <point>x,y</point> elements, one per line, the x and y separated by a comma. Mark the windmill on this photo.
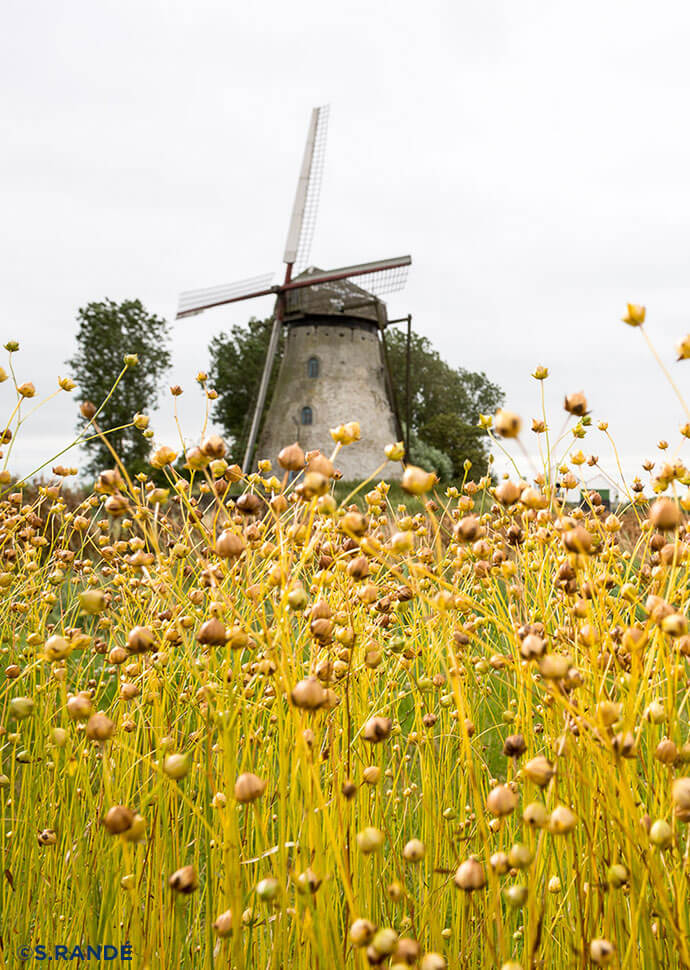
<point>335,364</point>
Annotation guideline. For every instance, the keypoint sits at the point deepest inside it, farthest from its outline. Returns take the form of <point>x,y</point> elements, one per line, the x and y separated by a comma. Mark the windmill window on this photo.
<point>307,415</point>
<point>313,367</point>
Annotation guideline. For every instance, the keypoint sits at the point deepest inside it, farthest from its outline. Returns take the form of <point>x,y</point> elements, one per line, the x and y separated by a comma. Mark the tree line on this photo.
<point>445,401</point>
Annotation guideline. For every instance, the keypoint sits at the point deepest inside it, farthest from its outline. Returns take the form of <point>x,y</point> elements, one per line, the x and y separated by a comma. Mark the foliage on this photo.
<point>237,363</point>
<point>434,458</point>
<point>445,402</point>
<point>107,332</point>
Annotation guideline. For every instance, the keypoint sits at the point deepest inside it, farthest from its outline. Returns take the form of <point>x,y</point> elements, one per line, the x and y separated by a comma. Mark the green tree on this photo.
<point>445,402</point>
<point>237,363</point>
<point>106,332</point>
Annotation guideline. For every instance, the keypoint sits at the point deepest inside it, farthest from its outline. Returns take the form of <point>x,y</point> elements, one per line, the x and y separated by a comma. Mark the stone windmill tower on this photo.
<point>334,366</point>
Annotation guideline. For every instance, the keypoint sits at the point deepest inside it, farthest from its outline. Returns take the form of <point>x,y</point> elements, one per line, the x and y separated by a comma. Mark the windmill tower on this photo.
<point>334,366</point>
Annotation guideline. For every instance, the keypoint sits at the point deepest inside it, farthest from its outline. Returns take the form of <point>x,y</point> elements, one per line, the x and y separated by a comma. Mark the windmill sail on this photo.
<point>194,301</point>
<point>303,220</point>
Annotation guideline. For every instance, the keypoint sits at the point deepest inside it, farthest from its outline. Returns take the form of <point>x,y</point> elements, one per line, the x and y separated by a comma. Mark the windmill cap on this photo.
<point>336,298</point>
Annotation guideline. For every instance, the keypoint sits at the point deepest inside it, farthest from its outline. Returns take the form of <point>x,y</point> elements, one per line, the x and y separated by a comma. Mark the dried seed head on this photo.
<point>501,800</point>
<point>536,815</point>
<point>417,481</point>
<point>434,961</point>
<point>21,708</point>
<point>576,404</point>
<point>79,707</point>
<point>92,601</point>
<point>57,648</point>
<point>414,851</point>
<point>562,820</point>
<point>661,834</point>
<point>371,774</point>
<point>177,766</point>
<point>468,529</point>
<point>377,729</point>
<point>370,840</point>
<point>184,880</point>
<point>507,492</point>
<point>118,819</point>
<point>665,514</point>
<point>507,423</point>
<point>291,458</point>
<point>308,882</point>
<point>308,694</point>
<point>680,795</point>
<point>249,787</point>
<point>601,951</point>
<point>514,746</point>
<point>99,727</point>
<point>140,639</point>
<point>578,540</point>
<point>213,447</point>
<point>223,924</point>
<point>230,545</point>
<point>267,889</point>
<point>384,942</point>
<point>539,770</point>
<point>635,315</point>
<point>407,951</point>
<point>362,932</point>
<point>470,875</point>
<point>212,633</point>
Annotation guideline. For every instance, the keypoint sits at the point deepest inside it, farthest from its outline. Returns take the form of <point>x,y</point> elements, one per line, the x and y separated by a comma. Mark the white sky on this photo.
<point>533,157</point>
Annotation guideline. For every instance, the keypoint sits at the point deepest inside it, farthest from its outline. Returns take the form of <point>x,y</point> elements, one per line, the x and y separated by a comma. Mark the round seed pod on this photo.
<point>417,481</point>
<point>176,766</point>
<point>362,932</point>
<point>470,876</point>
<point>562,820</point>
<point>223,924</point>
<point>406,951</point>
<point>665,514</point>
<point>57,648</point>
<point>99,727</point>
<point>291,458</point>
<point>213,447</point>
<point>414,851</point>
<point>370,840</point>
<point>184,880</point>
<point>230,545</point>
<point>536,815</point>
<point>377,729</point>
<point>602,952</point>
<point>140,639</point>
<point>249,787</point>
<point>501,800</point>
<point>118,819</point>
<point>433,961</point>
<point>308,694</point>
<point>79,707</point>
<point>514,746</point>
<point>212,633</point>
<point>680,795</point>
<point>661,834</point>
<point>267,889</point>
<point>507,424</point>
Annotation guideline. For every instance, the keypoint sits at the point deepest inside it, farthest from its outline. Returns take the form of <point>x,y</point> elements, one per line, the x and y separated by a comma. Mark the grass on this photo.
<point>386,681</point>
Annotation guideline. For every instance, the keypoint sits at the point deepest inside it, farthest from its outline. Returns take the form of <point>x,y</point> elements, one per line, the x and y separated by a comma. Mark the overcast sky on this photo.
<point>533,157</point>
